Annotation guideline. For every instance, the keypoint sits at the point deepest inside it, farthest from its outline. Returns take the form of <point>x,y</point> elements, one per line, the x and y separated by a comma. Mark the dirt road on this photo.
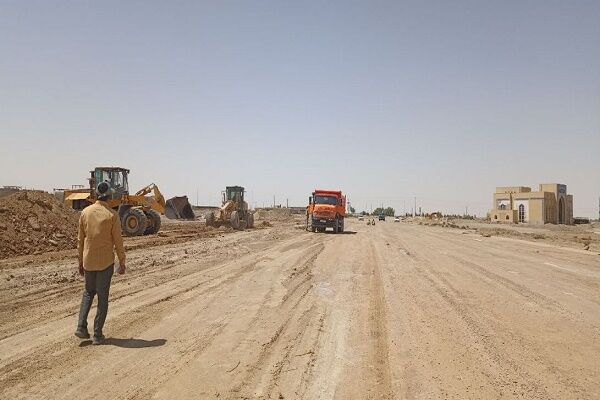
<point>392,311</point>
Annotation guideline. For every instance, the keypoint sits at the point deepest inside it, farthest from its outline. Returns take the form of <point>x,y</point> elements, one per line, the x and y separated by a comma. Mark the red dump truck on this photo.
<point>326,209</point>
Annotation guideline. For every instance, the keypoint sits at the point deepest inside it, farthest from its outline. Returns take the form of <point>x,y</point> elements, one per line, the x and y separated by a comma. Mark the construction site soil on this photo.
<point>33,222</point>
<point>585,236</point>
<point>390,311</point>
<point>35,226</point>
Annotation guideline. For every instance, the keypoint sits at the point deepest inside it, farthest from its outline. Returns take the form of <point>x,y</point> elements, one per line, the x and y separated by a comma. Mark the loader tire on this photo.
<point>210,219</point>
<point>154,222</point>
<point>134,222</point>
<point>235,220</point>
<point>250,221</point>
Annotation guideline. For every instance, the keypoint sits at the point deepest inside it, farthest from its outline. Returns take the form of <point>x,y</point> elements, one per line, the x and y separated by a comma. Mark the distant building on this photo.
<point>550,205</point>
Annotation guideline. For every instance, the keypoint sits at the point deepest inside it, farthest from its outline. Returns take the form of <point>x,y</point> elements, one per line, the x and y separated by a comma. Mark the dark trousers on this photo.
<point>96,283</point>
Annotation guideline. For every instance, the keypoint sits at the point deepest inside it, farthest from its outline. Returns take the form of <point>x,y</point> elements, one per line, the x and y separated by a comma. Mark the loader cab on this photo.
<point>233,193</point>
<point>115,176</point>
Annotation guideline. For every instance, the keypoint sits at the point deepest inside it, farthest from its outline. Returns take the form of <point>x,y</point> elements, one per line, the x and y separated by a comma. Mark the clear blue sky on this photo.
<point>385,100</point>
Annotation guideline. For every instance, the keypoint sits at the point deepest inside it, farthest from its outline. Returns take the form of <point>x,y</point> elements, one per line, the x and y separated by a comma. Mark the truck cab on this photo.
<point>326,209</point>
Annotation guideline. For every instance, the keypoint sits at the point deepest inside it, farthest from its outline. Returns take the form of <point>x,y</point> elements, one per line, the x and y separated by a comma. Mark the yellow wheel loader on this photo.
<point>139,213</point>
<point>234,211</point>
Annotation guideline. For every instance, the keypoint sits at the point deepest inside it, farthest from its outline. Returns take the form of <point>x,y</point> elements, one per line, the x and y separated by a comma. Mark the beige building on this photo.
<point>550,205</point>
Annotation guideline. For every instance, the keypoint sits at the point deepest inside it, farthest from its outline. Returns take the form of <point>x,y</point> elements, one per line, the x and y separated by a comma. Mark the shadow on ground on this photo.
<point>128,343</point>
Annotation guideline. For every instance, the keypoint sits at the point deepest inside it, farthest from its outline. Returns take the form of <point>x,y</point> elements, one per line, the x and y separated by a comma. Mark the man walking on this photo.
<point>99,235</point>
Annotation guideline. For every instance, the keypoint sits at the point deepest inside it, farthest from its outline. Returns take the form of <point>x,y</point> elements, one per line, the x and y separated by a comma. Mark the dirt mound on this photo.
<point>34,222</point>
<point>274,214</point>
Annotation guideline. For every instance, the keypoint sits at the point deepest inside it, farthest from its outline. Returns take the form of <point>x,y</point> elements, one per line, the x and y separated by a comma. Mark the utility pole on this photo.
<point>197,204</point>
<point>415,209</point>
<point>273,201</point>
<point>287,203</point>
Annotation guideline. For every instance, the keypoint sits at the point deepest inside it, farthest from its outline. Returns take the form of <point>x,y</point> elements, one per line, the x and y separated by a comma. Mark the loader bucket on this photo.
<point>179,208</point>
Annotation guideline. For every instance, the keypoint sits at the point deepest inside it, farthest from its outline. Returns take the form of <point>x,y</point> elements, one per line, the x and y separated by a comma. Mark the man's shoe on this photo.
<point>98,340</point>
<point>82,334</point>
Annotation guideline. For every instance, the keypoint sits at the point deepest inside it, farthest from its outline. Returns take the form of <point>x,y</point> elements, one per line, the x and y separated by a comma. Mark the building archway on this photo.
<point>561,211</point>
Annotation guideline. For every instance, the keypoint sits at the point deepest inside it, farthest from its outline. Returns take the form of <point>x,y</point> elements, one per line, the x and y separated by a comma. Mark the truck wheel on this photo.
<point>341,230</point>
<point>336,226</point>
<point>134,222</point>
<point>235,220</point>
<point>153,222</point>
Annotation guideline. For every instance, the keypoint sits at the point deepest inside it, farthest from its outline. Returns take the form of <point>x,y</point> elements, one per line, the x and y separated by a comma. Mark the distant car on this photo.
<point>361,217</point>
<point>382,217</point>
<point>397,219</point>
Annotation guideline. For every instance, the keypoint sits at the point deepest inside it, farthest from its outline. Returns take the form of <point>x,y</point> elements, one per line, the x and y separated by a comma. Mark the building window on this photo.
<point>507,217</point>
<point>561,211</point>
<point>521,213</point>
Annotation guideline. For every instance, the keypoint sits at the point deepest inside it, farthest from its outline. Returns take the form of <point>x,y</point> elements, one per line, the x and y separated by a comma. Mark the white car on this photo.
<point>397,219</point>
<point>361,217</point>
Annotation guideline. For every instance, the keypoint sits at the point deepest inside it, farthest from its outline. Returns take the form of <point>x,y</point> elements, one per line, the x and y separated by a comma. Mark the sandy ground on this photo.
<point>586,236</point>
<point>392,311</point>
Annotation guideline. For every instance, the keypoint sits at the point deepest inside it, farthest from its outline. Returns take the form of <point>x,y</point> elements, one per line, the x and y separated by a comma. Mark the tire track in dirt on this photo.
<point>585,277</point>
<point>506,380</point>
<point>30,318</point>
<point>541,301</point>
<point>379,335</point>
<point>499,246</point>
<point>484,273</point>
<point>171,293</point>
<point>355,353</point>
<point>143,315</point>
<point>296,284</point>
<point>40,286</point>
<point>298,304</point>
<point>515,378</point>
<point>255,307</point>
